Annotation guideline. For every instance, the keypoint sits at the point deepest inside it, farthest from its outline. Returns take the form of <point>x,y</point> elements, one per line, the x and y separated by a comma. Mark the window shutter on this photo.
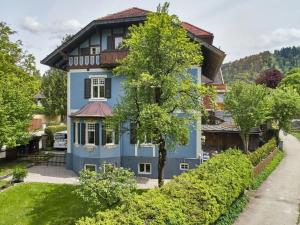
<point>107,87</point>
<point>103,134</point>
<point>83,133</point>
<point>87,88</point>
<point>74,132</point>
<point>78,133</point>
<point>97,134</point>
<point>132,133</point>
<point>117,133</point>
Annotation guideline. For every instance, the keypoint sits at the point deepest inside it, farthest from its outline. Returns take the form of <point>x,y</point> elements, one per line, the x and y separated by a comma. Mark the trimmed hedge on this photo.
<point>261,153</point>
<point>51,130</point>
<point>199,196</point>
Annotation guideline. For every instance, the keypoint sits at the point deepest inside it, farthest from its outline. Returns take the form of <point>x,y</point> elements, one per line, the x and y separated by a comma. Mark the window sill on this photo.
<point>110,146</point>
<point>90,147</point>
<point>97,99</point>
<point>147,145</point>
<point>144,173</point>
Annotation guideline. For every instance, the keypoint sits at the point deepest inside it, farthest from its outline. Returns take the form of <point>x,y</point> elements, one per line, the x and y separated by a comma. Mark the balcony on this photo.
<point>105,59</point>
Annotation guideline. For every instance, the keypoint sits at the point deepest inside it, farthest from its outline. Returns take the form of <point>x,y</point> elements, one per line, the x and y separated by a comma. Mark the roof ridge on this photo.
<point>122,11</point>
<point>197,27</point>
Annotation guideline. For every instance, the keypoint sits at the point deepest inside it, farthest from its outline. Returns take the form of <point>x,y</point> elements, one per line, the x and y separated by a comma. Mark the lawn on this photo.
<point>296,134</point>
<point>7,167</point>
<point>40,204</point>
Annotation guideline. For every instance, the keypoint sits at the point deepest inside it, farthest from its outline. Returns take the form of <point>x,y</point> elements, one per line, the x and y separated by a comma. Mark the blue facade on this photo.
<point>124,153</point>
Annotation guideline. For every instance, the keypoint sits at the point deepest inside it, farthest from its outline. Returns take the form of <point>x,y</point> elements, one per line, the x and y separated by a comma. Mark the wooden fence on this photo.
<point>262,165</point>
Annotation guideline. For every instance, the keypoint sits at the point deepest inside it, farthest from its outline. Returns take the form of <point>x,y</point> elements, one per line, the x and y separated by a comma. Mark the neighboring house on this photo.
<point>89,57</point>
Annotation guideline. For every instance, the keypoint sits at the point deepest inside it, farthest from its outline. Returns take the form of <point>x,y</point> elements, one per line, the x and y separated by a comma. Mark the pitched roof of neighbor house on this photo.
<point>94,109</point>
<point>225,127</point>
<point>127,13</point>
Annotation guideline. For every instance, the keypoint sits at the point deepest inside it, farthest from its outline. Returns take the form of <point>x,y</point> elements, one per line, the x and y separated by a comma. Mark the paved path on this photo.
<point>276,201</point>
<point>60,175</point>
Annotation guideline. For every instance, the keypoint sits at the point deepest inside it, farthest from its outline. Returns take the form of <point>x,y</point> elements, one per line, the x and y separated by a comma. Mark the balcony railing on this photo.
<point>106,58</point>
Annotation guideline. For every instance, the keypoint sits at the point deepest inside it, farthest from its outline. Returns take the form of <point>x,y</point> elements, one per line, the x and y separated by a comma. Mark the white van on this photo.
<point>60,140</point>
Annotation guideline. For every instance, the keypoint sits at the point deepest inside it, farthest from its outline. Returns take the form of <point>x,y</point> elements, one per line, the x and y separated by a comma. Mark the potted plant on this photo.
<point>19,174</point>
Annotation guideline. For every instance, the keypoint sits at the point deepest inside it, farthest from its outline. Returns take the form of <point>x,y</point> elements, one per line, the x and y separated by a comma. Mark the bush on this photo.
<point>51,130</point>
<point>19,173</point>
<point>106,189</point>
<point>261,153</point>
<point>199,196</point>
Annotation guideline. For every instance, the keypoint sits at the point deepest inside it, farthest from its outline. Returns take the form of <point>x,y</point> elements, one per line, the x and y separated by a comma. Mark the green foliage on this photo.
<point>234,211</point>
<point>157,83</point>
<point>286,105</point>
<point>198,196</point>
<point>54,87</point>
<point>268,170</point>
<point>19,173</point>
<point>249,105</point>
<point>106,189</point>
<point>19,82</point>
<point>292,79</point>
<point>261,153</point>
<point>51,130</point>
<point>250,67</point>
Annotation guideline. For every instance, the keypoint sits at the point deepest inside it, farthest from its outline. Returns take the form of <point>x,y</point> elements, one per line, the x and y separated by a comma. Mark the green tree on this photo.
<point>292,79</point>
<point>18,85</point>
<point>54,87</point>
<point>286,105</point>
<point>157,83</point>
<point>106,189</point>
<point>249,106</point>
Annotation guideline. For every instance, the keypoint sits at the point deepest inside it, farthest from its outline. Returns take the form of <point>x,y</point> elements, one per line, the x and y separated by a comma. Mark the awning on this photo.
<point>94,109</point>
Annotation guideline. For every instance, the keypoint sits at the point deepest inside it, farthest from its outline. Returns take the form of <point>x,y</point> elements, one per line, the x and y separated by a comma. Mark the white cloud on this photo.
<point>66,26</point>
<point>31,24</point>
<point>281,36</point>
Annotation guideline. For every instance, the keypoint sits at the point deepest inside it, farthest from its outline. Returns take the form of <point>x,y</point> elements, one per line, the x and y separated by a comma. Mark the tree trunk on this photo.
<point>162,153</point>
<point>245,139</point>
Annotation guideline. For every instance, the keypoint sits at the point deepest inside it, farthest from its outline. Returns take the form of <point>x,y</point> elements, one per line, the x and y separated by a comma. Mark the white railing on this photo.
<point>84,60</point>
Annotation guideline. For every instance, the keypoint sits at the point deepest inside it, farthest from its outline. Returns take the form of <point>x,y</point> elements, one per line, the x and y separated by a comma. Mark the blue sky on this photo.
<point>240,27</point>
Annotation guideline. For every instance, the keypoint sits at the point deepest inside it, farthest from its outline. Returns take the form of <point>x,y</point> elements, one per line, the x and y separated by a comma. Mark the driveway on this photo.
<point>276,201</point>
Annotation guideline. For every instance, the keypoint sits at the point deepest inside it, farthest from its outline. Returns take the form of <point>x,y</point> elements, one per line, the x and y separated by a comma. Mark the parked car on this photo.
<point>60,140</point>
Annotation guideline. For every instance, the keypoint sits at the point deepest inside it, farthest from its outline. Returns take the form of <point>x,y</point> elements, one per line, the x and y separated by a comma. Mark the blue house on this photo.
<point>89,57</point>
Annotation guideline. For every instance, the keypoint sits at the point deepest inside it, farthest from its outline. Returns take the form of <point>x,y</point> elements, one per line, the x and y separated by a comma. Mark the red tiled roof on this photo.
<point>137,12</point>
<point>94,109</point>
<point>132,12</point>
<point>195,30</point>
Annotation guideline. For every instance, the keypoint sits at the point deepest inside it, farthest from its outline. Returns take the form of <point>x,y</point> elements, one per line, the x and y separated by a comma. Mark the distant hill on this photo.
<point>250,67</point>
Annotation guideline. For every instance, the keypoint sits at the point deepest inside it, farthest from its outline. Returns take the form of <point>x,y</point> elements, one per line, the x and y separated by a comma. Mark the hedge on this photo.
<point>261,153</point>
<point>51,130</point>
<point>199,196</point>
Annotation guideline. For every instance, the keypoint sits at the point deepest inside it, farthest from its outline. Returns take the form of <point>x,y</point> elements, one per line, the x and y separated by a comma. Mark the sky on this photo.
<point>240,27</point>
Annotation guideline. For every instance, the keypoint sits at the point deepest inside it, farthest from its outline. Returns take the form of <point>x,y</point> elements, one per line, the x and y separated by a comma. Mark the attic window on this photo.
<point>95,50</point>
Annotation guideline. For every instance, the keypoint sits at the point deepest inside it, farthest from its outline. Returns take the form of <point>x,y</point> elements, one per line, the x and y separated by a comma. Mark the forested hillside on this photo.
<point>248,68</point>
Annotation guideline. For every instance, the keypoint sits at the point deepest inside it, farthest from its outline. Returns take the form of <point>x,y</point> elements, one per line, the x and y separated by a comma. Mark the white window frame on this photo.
<point>119,42</point>
<point>106,164</point>
<point>87,133</point>
<point>100,83</point>
<point>184,166</point>
<point>97,50</point>
<point>220,97</point>
<point>93,165</point>
<point>144,172</point>
<point>113,136</point>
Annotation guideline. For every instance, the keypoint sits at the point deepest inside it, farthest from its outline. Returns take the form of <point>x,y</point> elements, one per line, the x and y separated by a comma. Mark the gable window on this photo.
<point>184,166</point>
<point>110,136</point>
<point>118,42</point>
<point>95,50</point>
<point>90,167</point>
<point>90,133</point>
<point>98,87</point>
<point>144,168</point>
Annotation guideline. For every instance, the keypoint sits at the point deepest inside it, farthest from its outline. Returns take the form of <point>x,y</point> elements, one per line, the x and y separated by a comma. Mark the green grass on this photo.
<point>3,183</point>
<point>7,167</point>
<point>40,204</point>
<point>296,134</point>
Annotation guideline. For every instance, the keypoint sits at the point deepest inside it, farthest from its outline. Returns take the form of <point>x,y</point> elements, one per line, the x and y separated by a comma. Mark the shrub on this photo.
<point>19,173</point>
<point>106,189</point>
<point>261,153</point>
<point>51,130</point>
<point>199,196</point>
